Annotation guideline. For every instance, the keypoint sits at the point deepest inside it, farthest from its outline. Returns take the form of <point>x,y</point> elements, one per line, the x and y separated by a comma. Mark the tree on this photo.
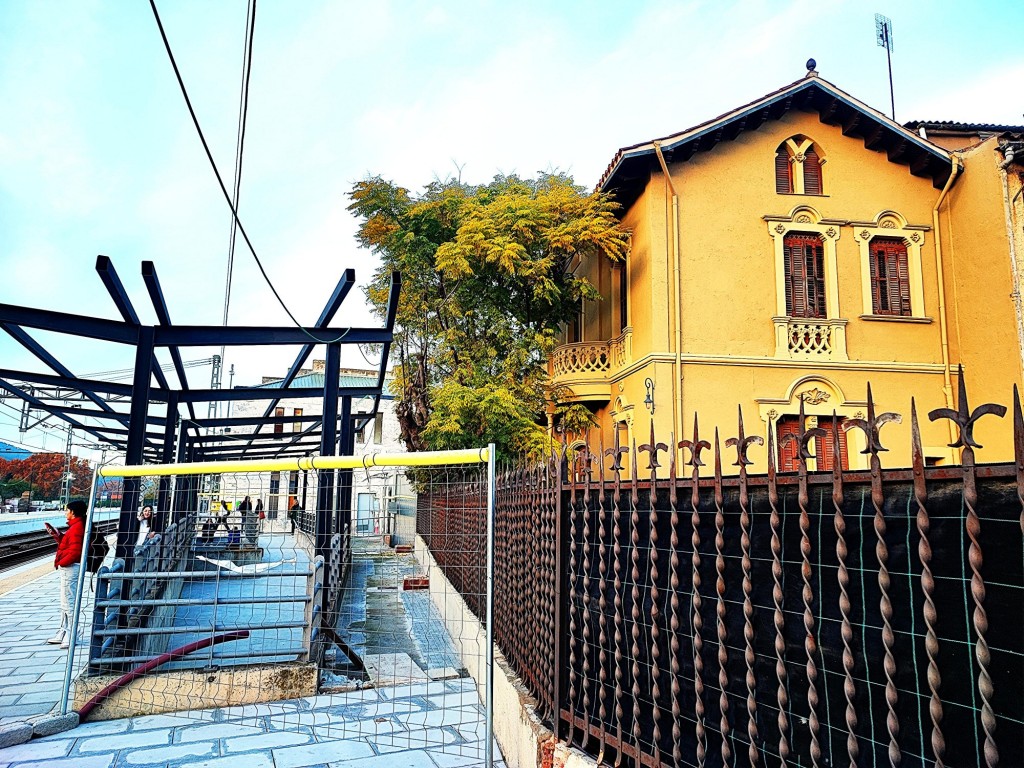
<point>44,472</point>
<point>487,282</point>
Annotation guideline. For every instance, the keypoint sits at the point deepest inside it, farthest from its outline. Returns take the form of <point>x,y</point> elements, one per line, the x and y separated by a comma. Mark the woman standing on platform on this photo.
<point>148,527</point>
<point>69,555</point>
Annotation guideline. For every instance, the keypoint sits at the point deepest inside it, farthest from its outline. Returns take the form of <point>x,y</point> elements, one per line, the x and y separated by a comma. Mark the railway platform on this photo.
<point>417,724</point>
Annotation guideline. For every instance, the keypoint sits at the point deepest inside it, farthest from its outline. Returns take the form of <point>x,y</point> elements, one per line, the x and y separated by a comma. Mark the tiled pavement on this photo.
<point>429,725</point>
<point>434,724</point>
<point>32,671</point>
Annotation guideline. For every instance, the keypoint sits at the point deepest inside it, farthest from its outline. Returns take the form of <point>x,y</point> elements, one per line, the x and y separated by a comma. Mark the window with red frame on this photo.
<point>890,277</point>
<point>804,258</point>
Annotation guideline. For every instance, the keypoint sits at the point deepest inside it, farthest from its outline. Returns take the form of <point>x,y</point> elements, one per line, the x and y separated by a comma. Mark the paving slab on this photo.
<point>419,723</point>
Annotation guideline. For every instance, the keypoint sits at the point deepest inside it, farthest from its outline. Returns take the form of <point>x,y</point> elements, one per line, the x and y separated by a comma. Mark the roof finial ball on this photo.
<point>811,64</point>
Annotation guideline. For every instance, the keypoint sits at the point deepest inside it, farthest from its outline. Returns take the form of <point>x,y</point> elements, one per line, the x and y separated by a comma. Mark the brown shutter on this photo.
<point>823,446</point>
<point>904,277</point>
<point>812,173</point>
<point>796,277</point>
<point>804,261</point>
<point>788,425</point>
<point>783,171</point>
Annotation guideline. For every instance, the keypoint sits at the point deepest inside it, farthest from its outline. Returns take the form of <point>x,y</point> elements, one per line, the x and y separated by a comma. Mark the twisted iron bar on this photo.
<point>810,643</point>
<point>695,447</point>
<point>674,623</point>
<point>635,603</point>
<point>617,588</point>
<point>574,610</point>
<point>602,602</point>
<point>965,419</point>
<point>741,442</point>
<point>778,616</point>
<point>720,614</point>
<point>652,448</point>
<point>842,552</point>
<point>871,427</point>
<point>924,553</point>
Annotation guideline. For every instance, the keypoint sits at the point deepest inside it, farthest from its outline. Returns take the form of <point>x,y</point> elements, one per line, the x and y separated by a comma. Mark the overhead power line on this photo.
<point>220,180</point>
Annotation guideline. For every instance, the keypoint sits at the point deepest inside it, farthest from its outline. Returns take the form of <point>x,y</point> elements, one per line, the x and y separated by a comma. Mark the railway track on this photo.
<point>23,547</point>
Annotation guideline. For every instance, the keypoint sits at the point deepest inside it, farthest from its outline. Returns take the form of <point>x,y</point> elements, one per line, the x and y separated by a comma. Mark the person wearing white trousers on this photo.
<point>67,563</point>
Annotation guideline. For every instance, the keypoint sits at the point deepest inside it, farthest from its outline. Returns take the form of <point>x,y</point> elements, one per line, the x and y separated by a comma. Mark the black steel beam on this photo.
<point>107,273</point>
<point>243,437</point>
<point>163,316</point>
<point>242,336</point>
<point>264,393</point>
<point>33,346</point>
<point>241,421</point>
<point>341,291</point>
<point>63,322</point>
<point>39,404</point>
<point>85,386</point>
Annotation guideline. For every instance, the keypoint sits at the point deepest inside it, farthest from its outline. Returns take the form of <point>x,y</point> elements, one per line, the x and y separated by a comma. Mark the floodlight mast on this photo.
<point>883,35</point>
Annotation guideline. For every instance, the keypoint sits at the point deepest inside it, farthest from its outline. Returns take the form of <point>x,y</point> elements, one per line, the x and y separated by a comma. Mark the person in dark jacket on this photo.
<point>67,562</point>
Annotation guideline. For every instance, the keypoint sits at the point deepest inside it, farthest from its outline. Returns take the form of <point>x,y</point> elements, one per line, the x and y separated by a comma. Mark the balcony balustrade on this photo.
<point>587,367</point>
<point>800,338</point>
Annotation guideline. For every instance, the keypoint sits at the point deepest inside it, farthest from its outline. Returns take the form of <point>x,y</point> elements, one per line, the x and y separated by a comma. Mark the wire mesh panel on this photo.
<point>357,615</point>
<point>855,618</point>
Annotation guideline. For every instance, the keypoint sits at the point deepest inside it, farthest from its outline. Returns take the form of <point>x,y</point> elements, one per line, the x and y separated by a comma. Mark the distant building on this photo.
<point>374,492</point>
<point>12,452</point>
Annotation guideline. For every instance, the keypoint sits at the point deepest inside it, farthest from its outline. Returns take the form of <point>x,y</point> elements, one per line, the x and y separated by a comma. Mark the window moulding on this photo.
<point>892,225</point>
<point>821,398</point>
<point>808,338</point>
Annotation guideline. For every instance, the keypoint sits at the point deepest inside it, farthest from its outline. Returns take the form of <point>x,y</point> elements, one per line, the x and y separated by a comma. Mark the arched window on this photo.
<point>798,164</point>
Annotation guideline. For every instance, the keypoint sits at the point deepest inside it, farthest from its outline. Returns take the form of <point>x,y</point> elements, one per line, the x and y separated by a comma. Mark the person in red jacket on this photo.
<point>67,562</point>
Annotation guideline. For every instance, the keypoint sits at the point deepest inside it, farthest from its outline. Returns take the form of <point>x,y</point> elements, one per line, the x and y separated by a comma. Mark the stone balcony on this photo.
<point>799,338</point>
<point>587,367</point>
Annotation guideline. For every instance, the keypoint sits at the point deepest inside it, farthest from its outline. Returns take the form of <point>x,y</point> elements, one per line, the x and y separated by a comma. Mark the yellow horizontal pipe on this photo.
<point>419,459</point>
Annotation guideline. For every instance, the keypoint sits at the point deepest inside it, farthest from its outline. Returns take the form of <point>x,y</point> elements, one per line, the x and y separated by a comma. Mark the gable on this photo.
<point>631,167</point>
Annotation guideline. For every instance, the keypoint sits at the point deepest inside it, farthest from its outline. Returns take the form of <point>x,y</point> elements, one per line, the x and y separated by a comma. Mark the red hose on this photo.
<point>163,658</point>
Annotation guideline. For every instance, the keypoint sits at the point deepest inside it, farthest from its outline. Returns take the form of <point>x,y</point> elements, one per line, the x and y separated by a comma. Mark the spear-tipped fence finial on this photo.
<point>964,417</point>
<point>872,425</point>
<point>742,443</point>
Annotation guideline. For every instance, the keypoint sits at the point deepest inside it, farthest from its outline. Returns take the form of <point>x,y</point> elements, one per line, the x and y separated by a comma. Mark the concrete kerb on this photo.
<point>524,740</point>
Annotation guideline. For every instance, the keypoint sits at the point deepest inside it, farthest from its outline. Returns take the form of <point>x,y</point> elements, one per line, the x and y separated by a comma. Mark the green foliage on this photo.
<point>487,282</point>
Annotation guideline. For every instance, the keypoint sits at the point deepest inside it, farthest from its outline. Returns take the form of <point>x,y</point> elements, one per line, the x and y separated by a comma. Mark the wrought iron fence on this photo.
<point>672,616</point>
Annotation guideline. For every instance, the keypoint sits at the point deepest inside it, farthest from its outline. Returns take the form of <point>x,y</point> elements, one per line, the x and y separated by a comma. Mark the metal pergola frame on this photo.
<point>152,429</point>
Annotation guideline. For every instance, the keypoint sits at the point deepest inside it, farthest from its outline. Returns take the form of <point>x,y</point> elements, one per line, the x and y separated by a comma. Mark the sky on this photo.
<point>98,154</point>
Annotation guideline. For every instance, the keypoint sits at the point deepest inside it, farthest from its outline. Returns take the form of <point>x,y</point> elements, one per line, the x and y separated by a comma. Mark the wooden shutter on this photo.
<point>812,172</point>
<point>783,171</point>
<point>823,446</point>
<point>804,262</point>
<point>890,277</point>
<point>788,425</point>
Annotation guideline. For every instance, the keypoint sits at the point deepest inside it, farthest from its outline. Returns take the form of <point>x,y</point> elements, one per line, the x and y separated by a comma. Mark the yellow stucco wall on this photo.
<point>729,266</point>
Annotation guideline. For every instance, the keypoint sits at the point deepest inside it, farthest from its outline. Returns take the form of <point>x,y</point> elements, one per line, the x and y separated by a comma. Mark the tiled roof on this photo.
<point>316,381</point>
<point>951,125</point>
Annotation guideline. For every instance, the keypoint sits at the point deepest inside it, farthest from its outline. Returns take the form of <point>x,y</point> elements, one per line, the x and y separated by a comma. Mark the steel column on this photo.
<point>128,524</point>
<point>325,477</point>
<point>346,447</point>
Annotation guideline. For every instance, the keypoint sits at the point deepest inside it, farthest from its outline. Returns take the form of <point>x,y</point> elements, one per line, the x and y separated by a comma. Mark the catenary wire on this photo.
<point>223,188</point>
<point>243,113</point>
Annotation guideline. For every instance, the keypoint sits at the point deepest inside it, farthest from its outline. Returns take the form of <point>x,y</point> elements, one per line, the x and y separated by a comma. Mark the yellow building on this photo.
<point>798,248</point>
